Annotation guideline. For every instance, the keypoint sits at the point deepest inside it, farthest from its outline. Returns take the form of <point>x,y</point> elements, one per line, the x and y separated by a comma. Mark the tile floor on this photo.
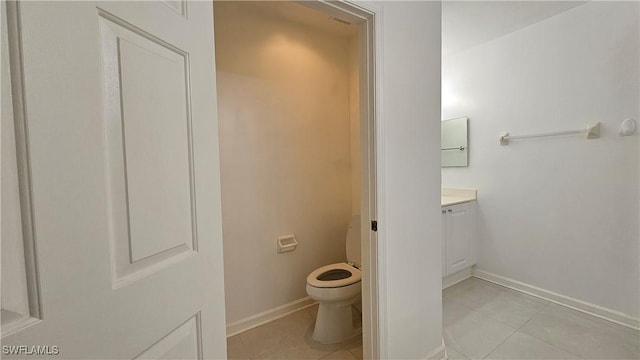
<point>290,338</point>
<point>486,321</point>
<point>481,321</point>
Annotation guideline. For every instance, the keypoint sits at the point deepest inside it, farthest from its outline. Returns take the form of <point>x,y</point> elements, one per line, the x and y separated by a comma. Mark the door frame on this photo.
<point>368,17</point>
<point>18,109</point>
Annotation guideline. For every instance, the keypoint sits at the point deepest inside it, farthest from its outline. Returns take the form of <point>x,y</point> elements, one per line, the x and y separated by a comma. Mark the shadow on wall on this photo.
<point>286,154</point>
<point>557,213</point>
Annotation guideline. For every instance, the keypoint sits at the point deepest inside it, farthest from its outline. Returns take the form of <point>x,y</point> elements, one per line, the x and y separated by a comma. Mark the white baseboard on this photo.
<point>438,353</point>
<point>455,278</point>
<point>592,309</point>
<point>269,315</point>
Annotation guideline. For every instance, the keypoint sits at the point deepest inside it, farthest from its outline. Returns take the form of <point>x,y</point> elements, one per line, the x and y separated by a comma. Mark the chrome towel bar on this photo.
<point>461,148</point>
<point>591,131</point>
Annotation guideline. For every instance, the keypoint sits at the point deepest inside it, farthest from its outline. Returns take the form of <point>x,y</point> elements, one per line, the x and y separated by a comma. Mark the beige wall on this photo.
<point>354,116</point>
<point>285,138</point>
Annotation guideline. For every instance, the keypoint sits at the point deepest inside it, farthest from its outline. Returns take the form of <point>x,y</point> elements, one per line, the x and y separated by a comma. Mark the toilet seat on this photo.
<point>356,276</point>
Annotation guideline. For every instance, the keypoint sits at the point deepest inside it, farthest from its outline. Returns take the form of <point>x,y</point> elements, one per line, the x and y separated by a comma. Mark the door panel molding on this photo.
<point>85,316</point>
<point>149,150</point>
<point>14,96</point>
<point>183,342</point>
<point>179,6</point>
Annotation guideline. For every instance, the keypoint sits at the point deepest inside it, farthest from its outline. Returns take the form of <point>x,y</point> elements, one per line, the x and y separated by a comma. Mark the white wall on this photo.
<point>411,192</point>
<point>283,93</point>
<point>562,213</point>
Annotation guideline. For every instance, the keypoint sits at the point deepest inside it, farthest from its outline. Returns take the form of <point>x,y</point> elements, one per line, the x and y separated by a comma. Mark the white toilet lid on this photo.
<point>353,242</point>
<point>356,276</point>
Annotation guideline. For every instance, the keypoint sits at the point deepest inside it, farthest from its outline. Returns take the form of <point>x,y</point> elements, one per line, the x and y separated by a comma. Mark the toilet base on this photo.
<point>334,323</point>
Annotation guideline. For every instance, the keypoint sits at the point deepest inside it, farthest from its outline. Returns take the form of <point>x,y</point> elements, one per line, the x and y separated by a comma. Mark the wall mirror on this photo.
<point>454,142</point>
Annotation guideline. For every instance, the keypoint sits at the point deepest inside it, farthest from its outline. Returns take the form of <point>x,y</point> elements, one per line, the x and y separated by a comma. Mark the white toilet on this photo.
<point>337,288</point>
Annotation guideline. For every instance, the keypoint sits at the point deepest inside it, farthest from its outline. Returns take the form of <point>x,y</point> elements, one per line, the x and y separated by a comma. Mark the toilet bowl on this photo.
<point>336,288</point>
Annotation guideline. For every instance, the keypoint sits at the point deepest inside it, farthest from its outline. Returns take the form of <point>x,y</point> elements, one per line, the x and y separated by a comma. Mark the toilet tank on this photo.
<point>353,242</point>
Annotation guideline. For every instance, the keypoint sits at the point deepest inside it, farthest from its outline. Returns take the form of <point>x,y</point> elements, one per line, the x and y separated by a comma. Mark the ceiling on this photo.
<point>293,12</point>
<point>464,23</point>
<point>469,23</point>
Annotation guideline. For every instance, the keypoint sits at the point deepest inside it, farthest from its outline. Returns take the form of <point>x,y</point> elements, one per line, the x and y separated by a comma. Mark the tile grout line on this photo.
<point>458,351</point>
<point>503,341</point>
<point>352,354</point>
<point>544,341</point>
<point>581,312</point>
<point>477,310</point>
<point>473,310</point>
<point>518,329</point>
<point>507,290</point>
<point>595,323</point>
<point>349,350</point>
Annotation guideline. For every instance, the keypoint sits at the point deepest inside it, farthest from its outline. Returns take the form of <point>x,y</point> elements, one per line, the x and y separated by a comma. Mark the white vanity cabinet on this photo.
<point>458,246</point>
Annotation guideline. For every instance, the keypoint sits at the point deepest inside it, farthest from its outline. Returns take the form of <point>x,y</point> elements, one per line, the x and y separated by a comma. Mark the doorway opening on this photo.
<point>297,142</point>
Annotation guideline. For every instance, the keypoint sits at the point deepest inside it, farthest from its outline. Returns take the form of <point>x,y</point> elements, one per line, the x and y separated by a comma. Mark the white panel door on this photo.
<point>458,238</point>
<point>122,137</point>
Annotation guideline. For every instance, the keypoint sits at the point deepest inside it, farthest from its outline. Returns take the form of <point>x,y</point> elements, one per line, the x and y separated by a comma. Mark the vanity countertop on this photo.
<point>451,196</point>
